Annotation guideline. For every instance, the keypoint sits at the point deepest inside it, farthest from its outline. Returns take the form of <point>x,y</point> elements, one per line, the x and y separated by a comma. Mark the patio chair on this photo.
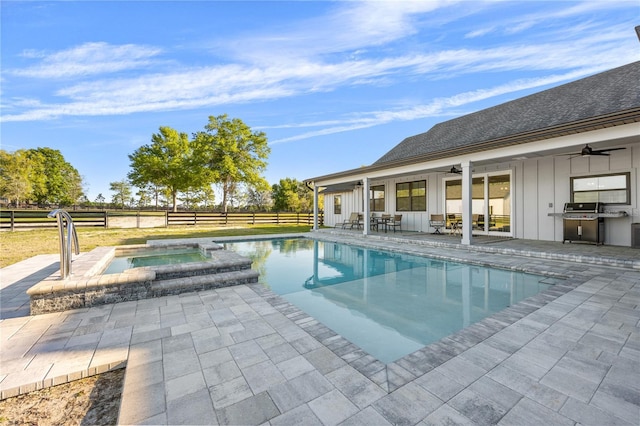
<point>396,222</point>
<point>474,221</point>
<point>456,225</point>
<point>437,222</point>
<point>353,219</point>
<point>373,222</point>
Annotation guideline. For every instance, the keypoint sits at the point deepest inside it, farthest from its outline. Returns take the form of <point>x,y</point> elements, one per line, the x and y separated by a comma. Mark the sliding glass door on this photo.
<point>500,203</point>
<point>491,202</point>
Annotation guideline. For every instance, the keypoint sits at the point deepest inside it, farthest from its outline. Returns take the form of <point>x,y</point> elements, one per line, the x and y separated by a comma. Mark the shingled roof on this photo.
<point>602,100</point>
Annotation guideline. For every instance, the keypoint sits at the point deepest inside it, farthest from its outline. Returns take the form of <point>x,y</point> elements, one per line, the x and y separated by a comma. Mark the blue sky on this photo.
<point>334,85</point>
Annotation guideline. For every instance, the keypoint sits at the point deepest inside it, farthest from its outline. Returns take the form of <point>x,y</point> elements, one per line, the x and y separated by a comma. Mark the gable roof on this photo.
<point>602,100</point>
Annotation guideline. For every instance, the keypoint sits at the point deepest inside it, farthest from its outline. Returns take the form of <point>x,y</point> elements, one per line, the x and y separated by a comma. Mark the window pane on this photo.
<point>612,182</point>
<point>619,196</point>
<point>419,203</point>
<point>453,190</point>
<point>419,195</point>
<point>418,189</point>
<point>337,204</point>
<point>500,195</point>
<point>600,183</point>
<point>585,184</point>
<point>377,198</point>
<point>585,197</point>
<point>403,204</point>
<point>402,190</point>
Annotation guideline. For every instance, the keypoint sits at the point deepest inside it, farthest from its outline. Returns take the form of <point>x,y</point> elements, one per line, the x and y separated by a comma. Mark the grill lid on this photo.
<point>582,208</point>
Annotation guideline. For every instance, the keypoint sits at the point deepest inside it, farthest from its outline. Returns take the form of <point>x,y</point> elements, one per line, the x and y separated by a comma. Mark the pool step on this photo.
<point>222,261</point>
<point>202,282</point>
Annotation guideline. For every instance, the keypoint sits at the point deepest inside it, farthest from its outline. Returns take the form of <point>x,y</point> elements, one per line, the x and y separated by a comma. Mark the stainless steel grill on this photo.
<point>583,222</point>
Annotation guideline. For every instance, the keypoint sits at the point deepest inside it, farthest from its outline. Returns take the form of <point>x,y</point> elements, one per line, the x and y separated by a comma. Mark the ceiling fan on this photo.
<point>588,151</point>
<point>453,169</point>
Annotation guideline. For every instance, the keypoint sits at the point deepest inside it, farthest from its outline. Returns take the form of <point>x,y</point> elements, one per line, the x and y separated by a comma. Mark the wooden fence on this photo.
<point>236,218</point>
<point>29,219</point>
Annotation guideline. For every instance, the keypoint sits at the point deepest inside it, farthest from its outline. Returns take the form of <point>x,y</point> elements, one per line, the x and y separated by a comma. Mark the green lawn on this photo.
<point>19,245</point>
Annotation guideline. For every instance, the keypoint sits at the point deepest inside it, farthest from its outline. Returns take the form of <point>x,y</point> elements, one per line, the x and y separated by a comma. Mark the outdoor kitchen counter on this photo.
<point>589,215</point>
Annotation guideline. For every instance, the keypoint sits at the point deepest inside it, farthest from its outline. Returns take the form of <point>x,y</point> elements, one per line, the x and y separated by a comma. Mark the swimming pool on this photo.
<point>389,304</point>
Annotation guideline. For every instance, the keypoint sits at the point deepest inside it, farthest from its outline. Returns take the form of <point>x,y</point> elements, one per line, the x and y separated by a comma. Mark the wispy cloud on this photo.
<point>347,47</point>
<point>347,27</point>
<point>236,83</point>
<point>87,59</point>
<point>436,108</point>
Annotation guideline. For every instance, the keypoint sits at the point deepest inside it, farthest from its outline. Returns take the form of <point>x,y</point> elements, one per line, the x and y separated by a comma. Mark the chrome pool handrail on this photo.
<point>65,220</point>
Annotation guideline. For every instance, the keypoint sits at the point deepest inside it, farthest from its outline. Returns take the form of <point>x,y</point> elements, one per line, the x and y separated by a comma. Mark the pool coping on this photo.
<point>393,375</point>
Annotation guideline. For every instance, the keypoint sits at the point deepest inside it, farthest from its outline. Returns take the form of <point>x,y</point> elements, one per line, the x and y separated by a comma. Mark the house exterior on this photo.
<point>509,170</point>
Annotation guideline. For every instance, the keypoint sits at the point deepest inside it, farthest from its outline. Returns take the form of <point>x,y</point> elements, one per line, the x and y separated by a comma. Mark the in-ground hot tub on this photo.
<point>92,284</point>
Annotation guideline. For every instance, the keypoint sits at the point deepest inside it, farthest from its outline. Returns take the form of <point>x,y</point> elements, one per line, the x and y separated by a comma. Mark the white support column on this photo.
<point>365,197</point>
<point>467,203</point>
<point>315,207</point>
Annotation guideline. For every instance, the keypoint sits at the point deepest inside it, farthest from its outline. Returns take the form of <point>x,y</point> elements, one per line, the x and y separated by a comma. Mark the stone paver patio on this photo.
<point>243,355</point>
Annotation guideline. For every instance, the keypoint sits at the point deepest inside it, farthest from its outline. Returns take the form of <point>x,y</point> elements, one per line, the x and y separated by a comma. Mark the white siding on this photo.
<point>545,195</point>
<point>529,196</point>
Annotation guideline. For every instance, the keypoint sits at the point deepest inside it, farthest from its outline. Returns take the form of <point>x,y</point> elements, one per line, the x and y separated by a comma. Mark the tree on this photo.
<point>232,154</point>
<point>74,185</point>
<point>62,183</point>
<point>100,200</point>
<point>285,195</point>
<point>122,192</point>
<point>53,179</point>
<point>15,176</point>
<point>259,198</point>
<point>167,162</point>
<point>292,195</point>
<point>144,198</point>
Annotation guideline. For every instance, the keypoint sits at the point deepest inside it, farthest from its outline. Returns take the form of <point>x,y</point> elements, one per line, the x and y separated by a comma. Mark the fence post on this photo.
<point>106,219</point>
<point>166,218</point>
<point>13,219</point>
<point>195,218</point>
<point>253,218</point>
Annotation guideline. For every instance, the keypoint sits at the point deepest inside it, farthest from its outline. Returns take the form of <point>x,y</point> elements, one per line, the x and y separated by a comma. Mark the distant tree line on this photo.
<point>41,176</point>
<point>172,172</point>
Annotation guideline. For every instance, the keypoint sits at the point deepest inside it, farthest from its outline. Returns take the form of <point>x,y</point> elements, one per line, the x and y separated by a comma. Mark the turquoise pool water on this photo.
<point>389,304</point>
<point>154,258</point>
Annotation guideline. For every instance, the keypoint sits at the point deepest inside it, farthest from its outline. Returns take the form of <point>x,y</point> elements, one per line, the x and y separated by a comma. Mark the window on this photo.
<point>411,196</point>
<point>337,204</point>
<point>377,198</point>
<point>609,189</point>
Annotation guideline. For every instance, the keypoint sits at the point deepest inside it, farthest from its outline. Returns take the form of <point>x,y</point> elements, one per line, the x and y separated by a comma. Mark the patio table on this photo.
<point>384,221</point>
